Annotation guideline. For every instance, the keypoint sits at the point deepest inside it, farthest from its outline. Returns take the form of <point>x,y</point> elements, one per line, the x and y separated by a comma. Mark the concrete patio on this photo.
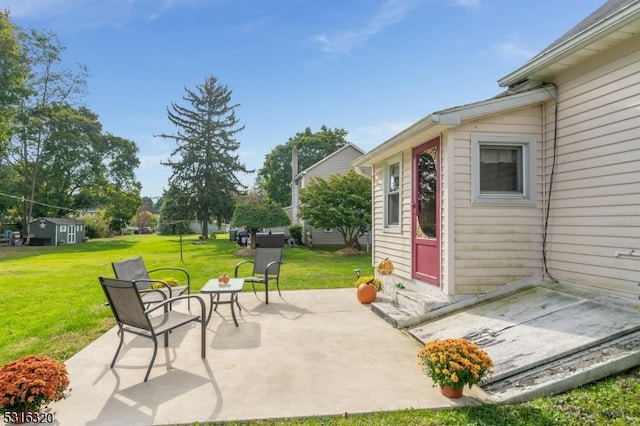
<point>320,352</point>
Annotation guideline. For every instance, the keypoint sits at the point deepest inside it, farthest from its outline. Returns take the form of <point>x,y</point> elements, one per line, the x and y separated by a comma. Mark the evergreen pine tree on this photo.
<point>205,162</point>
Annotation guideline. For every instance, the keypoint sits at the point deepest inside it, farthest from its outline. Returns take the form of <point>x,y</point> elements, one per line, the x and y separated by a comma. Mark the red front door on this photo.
<point>425,215</point>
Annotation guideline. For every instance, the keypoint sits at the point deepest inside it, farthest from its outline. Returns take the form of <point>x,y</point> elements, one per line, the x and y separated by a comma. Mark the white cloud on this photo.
<point>391,12</point>
<point>511,50</point>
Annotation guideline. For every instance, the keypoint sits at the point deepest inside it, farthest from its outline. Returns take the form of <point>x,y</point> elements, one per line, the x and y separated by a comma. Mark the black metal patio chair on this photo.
<point>135,270</point>
<point>132,316</point>
<point>266,267</point>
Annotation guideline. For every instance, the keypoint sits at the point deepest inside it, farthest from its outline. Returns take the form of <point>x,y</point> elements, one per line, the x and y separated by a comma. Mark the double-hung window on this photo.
<point>392,192</point>
<point>503,170</point>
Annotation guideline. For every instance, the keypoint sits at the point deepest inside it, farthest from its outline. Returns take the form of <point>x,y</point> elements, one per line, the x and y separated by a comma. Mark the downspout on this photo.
<point>551,177</point>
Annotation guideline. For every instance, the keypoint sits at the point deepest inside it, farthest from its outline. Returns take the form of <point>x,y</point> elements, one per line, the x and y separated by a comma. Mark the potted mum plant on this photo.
<point>454,363</point>
<point>368,287</point>
<point>28,384</point>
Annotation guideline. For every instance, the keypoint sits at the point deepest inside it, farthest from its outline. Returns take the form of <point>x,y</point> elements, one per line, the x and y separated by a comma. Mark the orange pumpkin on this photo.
<point>385,267</point>
<point>367,293</point>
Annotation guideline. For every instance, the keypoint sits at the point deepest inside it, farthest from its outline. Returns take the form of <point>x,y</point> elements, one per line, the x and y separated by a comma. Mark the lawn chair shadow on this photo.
<point>228,336</point>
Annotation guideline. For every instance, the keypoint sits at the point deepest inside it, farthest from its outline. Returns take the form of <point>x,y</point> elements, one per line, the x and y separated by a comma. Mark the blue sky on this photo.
<point>372,67</point>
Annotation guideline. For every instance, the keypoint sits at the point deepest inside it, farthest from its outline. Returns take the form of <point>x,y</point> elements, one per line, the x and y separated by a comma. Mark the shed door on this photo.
<point>71,234</point>
<point>425,216</point>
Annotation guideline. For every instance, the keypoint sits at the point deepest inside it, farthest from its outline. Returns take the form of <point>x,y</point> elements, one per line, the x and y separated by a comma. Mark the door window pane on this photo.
<point>427,194</point>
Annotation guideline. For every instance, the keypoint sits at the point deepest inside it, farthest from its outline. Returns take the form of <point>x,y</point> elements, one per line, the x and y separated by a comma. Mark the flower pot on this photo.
<point>450,392</point>
<point>367,293</point>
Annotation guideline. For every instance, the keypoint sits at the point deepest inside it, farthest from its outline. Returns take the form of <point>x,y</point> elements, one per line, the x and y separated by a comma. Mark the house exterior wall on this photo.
<point>482,247</point>
<point>595,198</point>
<point>338,163</point>
<point>496,244</point>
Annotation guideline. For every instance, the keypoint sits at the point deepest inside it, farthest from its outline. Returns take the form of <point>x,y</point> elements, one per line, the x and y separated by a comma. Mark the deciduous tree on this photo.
<point>342,202</point>
<point>276,173</point>
<point>256,214</point>
<point>50,86</point>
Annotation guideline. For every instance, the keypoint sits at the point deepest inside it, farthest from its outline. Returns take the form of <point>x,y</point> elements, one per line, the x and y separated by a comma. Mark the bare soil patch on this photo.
<point>348,251</point>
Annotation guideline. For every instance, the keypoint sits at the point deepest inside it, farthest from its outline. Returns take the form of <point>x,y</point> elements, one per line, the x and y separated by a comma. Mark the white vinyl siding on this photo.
<point>595,204</point>
<point>389,243</point>
<point>495,244</point>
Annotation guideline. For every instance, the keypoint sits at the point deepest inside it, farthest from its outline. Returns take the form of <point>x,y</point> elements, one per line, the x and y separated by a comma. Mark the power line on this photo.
<point>22,200</point>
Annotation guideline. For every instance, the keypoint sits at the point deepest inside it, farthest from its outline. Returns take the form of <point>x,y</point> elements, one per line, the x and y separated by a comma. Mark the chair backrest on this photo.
<point>125,302</point>
<point>264,256</point>
<point>131,270</point>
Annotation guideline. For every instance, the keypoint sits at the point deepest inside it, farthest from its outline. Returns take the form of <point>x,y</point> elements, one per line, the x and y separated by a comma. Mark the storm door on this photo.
<point>426,212</point>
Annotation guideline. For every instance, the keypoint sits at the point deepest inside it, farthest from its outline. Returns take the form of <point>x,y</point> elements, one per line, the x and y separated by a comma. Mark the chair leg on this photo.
<point>121,333</point>
<point>153,358</point>
<point>278,285</point>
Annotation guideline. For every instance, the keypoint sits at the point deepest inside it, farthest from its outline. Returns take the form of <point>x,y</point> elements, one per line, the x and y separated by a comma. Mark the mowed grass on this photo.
<point>52,303</point>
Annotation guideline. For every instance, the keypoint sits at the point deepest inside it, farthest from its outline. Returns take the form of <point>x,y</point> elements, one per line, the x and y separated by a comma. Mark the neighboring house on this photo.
<point>540,182</point>
<point>339,162</point>
<point>50,231</point>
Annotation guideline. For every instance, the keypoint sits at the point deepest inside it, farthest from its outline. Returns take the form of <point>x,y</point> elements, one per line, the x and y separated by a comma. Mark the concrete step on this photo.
<point>409,308</point>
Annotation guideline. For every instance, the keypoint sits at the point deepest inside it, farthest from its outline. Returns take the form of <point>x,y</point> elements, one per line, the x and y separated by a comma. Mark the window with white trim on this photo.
<point>392,174</point>
<point>503,170</point>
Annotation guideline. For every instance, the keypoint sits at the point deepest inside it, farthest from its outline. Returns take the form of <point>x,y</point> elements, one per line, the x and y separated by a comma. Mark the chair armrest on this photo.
<point>184,271</point>
<point>235,274</point>
<point>166,302</point>
<point>270,265</point>
<point>150,281</point>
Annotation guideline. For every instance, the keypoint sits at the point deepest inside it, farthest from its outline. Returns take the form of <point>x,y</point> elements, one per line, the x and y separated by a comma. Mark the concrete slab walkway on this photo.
<point>311,353</point>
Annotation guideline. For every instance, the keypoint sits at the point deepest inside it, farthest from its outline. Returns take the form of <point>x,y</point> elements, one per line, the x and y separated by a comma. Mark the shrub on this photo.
<point>31,382</point>
<point>295,232</point>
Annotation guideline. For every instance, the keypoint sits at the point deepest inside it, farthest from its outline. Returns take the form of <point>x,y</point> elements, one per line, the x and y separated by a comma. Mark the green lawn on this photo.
<point>52,304</point>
